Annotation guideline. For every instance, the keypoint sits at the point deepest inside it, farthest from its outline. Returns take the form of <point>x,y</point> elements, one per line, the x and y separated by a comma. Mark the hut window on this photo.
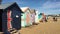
<point>17,16</point>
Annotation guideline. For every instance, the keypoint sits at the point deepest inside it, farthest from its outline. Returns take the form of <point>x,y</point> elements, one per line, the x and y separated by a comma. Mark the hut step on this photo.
<point>1,32</point>
<point>12,31</point>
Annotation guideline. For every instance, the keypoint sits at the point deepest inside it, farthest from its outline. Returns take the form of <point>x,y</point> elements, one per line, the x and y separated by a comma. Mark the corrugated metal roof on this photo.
<point>3,6</point>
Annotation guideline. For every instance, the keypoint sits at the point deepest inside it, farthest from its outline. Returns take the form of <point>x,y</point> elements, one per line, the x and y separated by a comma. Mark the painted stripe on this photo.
<point>9,19</point>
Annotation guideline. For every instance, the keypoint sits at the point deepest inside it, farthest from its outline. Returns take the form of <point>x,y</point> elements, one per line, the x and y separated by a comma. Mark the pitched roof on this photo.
<point>32,11</point>
<point>24,9</point>
<point>3,6</point>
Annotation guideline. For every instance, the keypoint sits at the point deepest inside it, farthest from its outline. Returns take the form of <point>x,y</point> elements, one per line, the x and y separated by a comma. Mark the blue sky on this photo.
<point>43,6</point>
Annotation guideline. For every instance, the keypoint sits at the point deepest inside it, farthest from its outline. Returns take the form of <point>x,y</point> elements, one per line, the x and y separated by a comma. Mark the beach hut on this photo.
<point>33,13</point>
<point>36,17</point>
<point>44,17</point>
<point>25,18</point>
<point>10,16</point>
<point>40,17</point>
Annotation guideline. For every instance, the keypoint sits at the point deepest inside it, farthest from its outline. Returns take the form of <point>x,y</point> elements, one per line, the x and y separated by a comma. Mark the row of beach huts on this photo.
<point>30,17</point>
<point>14,17</point>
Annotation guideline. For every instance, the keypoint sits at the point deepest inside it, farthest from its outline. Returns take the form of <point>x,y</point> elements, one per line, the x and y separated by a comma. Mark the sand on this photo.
<point>49,27</point>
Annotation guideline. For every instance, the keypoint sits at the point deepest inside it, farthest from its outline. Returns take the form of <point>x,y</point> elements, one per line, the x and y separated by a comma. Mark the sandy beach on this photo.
<point>49,27</point>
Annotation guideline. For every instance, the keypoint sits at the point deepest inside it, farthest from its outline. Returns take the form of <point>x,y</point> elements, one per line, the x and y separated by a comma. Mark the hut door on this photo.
<point>9,19</point>
<point>16,19</point>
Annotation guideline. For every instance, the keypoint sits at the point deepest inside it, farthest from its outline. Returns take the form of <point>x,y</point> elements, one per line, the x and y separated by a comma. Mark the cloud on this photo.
<point>18,1</point>
<point>51,5</point>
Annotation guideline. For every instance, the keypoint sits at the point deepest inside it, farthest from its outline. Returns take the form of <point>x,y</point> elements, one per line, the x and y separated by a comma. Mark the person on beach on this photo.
<point>54,19</point>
